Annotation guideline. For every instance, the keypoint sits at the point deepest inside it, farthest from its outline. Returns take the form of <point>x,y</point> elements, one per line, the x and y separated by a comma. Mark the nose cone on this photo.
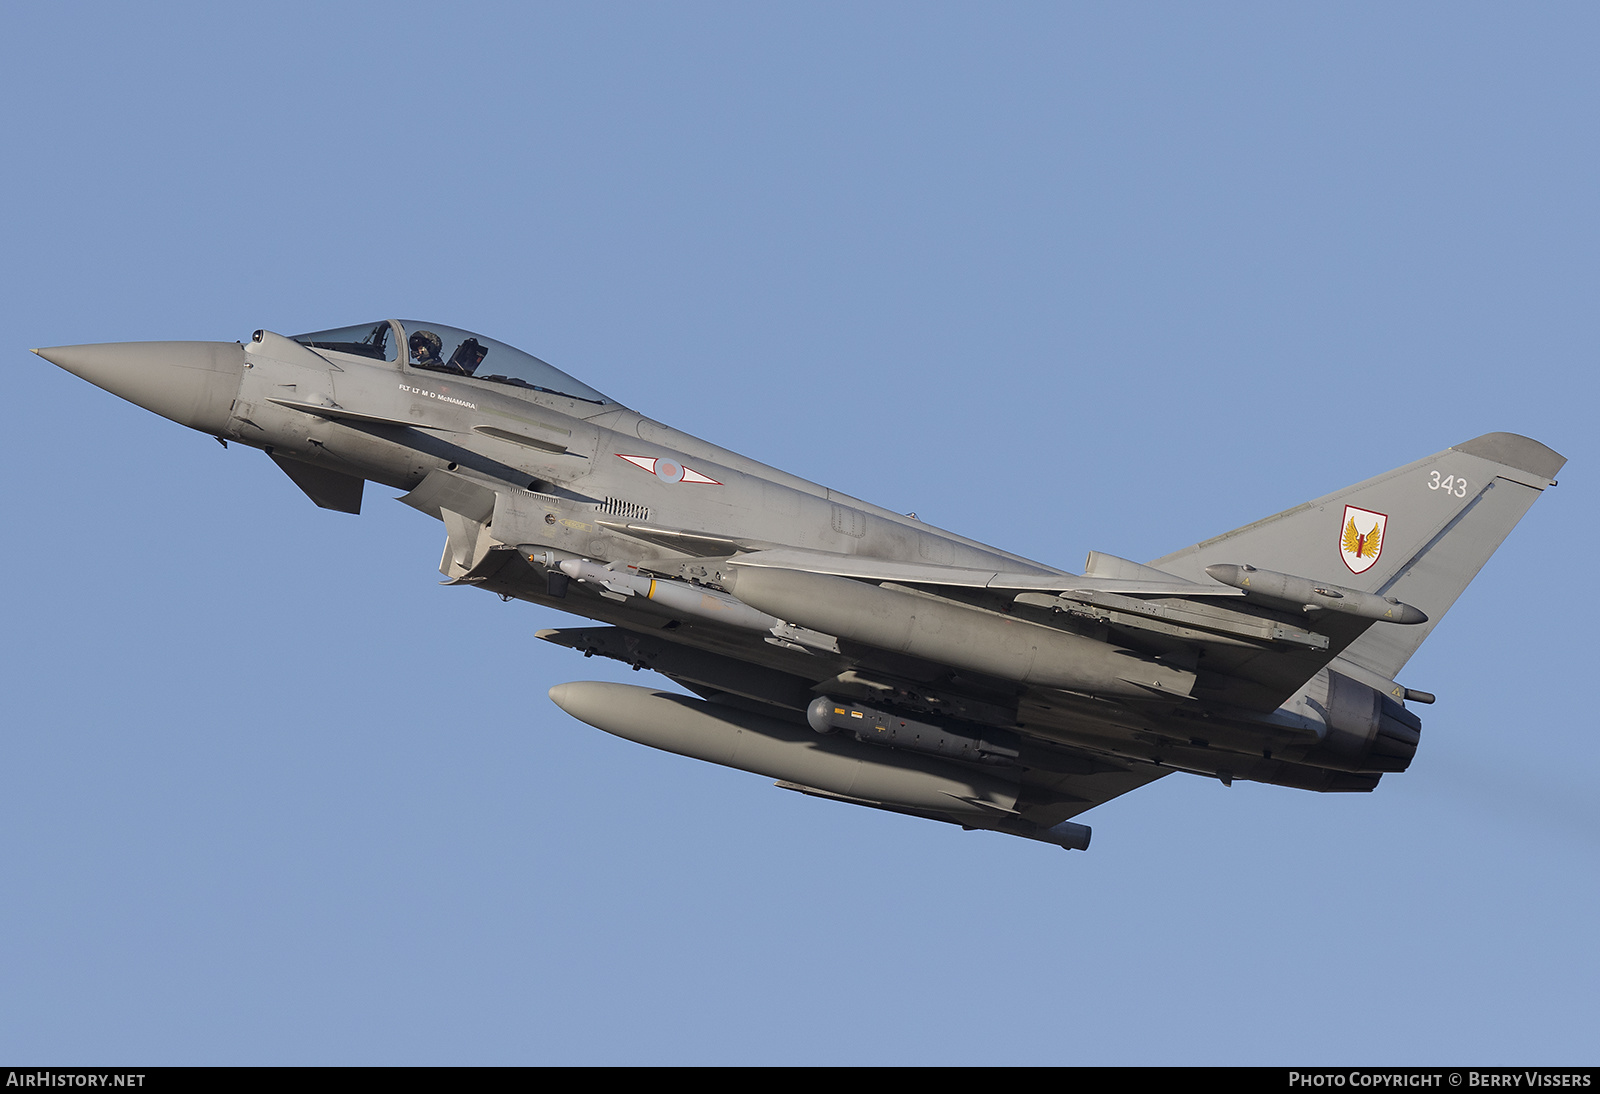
<point>193,383</point>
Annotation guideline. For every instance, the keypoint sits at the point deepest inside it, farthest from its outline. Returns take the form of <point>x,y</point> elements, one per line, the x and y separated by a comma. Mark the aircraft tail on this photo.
<point>1419,533</point>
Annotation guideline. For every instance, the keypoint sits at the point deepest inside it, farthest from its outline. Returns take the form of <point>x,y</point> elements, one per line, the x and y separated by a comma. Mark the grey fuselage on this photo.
<point>564,448</point>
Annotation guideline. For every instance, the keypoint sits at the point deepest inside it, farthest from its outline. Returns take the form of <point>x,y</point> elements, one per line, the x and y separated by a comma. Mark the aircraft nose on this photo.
<point>193,383</point>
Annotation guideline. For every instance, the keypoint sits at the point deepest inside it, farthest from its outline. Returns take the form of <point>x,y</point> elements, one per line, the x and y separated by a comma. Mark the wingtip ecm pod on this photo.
<point>1314,595</point>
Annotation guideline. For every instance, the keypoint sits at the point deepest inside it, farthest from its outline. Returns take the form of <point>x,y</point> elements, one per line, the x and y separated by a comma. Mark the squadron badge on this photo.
<point>1361,538</point>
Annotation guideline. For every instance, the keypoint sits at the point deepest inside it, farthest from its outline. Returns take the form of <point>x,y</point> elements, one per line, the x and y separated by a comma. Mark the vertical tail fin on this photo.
<point>1419,533</point>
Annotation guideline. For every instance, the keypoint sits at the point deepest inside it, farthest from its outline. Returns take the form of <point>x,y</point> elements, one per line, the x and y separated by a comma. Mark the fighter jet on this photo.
<point>847,651</point>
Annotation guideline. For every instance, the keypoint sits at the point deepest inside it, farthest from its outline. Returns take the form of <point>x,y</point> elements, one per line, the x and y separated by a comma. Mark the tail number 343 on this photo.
<point>1450,484</point>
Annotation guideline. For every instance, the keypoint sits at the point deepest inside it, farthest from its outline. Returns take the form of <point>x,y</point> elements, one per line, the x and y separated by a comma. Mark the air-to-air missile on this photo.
<point>847,651</point>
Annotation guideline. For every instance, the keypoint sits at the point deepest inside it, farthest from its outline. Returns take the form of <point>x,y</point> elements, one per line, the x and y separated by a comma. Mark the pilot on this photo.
<point>425,349</point>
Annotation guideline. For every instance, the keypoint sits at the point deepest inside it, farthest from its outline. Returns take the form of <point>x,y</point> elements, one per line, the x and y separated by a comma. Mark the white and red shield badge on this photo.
<point>1361,538</point>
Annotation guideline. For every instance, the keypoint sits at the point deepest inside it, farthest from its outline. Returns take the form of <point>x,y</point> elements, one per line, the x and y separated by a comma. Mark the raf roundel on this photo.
<point>668,471</point>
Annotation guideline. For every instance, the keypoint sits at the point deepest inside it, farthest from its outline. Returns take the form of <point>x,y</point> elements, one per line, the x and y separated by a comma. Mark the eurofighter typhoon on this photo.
<point>850,652</point>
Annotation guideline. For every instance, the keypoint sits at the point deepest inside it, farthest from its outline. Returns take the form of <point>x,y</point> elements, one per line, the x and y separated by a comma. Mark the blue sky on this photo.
<point>1060,277</point>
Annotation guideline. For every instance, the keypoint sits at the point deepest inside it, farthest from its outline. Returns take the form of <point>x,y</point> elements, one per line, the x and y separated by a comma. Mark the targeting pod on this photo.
<point>997,747</point>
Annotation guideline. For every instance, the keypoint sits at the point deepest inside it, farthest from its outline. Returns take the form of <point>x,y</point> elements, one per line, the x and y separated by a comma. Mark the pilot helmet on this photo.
<point>427,338</point>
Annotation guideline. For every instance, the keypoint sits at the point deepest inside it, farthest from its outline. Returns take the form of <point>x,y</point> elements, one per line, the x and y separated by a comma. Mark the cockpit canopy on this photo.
<point>438,348</point>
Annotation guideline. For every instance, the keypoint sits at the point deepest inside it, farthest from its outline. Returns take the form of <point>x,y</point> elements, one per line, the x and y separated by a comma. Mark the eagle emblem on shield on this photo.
<point>1361,538</point>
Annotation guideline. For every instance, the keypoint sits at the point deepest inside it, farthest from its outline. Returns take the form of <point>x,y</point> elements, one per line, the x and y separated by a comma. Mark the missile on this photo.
<point>953,634</point>
<point>676,596</point>
<point>834,765</point>
<point>1316,594</point>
